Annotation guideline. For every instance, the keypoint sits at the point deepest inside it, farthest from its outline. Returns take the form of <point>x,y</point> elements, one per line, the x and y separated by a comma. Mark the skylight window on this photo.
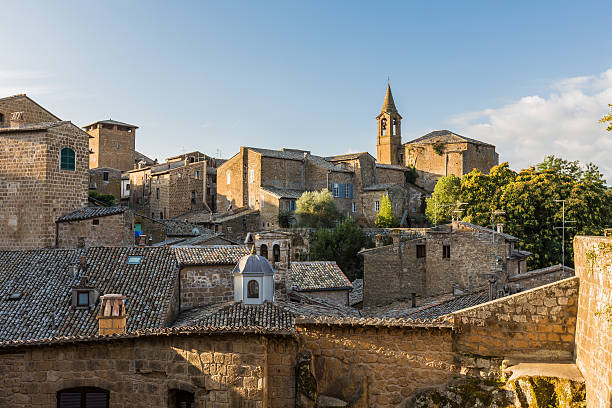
<point>134,260</point>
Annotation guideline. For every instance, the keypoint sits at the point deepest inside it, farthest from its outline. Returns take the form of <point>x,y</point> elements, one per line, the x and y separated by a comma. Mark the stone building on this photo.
<point>112,144</point>
<point>439,153</point>
<point>271,181</point>
<point>43,172</point>
<point>183,184</point>
<point>456,258</point>
<point>106,180</point>
<point>96,226</point>
<point>302,352</point>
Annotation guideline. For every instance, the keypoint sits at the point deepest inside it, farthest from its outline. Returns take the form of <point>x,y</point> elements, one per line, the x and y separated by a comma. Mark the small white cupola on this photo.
<point>253,280</point>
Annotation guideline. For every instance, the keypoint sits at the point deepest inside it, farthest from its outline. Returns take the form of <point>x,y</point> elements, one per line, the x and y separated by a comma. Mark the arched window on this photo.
<point>181,399</point>
<point>67,159</point>
<point>253,289</point>
<point>263,250</point>
<point>82,397</point>
<point>276,252</point>
<point>383,126</point>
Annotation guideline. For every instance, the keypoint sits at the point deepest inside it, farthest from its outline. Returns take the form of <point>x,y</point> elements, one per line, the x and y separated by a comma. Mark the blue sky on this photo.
<point>531,77</point>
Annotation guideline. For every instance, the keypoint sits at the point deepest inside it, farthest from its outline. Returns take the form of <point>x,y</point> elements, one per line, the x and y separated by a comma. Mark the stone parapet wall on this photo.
<point>593,260</point>
<point>375,367</point>
<point>221,371</point>
<point>205,285</point>
<point>112,230</point>
<point>539,323</point>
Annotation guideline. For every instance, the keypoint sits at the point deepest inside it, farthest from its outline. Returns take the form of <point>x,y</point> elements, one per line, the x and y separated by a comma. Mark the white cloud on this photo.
<point>564,123</point>
<point>23,81</point>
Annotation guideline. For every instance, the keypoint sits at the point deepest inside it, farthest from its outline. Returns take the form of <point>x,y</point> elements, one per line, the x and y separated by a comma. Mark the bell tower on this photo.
<point>389,139</point>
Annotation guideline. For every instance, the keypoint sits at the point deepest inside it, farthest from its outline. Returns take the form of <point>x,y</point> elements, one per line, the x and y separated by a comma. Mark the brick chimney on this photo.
<point>112,317</point>
<point>379,240</point>
<point>17,120</point>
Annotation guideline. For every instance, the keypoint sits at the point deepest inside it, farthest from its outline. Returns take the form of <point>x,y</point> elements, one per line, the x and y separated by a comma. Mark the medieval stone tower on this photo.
<point>389,140</point>
<point>112,144</point>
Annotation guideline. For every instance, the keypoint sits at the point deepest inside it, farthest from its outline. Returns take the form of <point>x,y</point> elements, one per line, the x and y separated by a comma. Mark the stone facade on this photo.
<point>33,189</point>
<point>174,188</point>
<point>113,145</point>
<point>203,285</point>
<point>106,180</point>
<point>271,181</point>
<point>420,265</point>
<point>221,371</point>
<point>111,230</point>
<point>593,352</point>
<point>32,112</point>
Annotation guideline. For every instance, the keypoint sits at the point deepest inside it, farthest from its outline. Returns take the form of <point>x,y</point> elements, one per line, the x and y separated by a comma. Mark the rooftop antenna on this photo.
<point>563,228</point>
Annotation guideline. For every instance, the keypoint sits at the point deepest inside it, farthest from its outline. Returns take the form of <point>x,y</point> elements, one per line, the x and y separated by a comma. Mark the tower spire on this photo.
<point>388,104</point>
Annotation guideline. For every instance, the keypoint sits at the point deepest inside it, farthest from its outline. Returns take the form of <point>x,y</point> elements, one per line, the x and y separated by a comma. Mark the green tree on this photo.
<point>531,212</point>
<point>316,209</point>
<point>107,199</point>
<point>607,118</point>
<point>439,207</point>
<point>341,244</point>
<point>386,217</point>
<point>285,219</point>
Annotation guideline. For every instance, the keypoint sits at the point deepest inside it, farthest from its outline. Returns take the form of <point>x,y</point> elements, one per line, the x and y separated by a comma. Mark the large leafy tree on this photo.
<point>386,218</point>
<point>531,212</point>
<point>608,119</point>
<point>442,203</point>
<point>341,244</point>
<point>316,209</point>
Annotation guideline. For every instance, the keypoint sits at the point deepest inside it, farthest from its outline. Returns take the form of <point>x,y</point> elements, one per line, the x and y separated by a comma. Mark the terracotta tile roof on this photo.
<point>44,279</point>
<point>356,295</point>
<point>91,212</point>
<point>379,187</point>
<point>210,255</point>
<point>299,155</point>
<point>488,230</point>
<point>318,275</point>
<point>283,193</point>
<point>112,122</point>
<point>347,156</point>
<point>175,228</point>
<point>445,136</point>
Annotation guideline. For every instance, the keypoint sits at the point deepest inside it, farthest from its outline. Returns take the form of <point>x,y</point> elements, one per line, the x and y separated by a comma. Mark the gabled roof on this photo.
<point>445,136</point>
<point>347,156</point>
<point>283,193</point>
<point>44,279</point>
<point>112,122</point>
<point>356,295</point>
<point>316,276</point>
<point>211,255</point>
<point>299,155</point>
<point>91,212</point>
<point>490,231</point>
<point>31,100</point>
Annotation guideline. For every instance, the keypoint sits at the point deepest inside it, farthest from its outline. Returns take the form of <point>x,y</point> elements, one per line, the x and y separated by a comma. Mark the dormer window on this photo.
<point>82,299</point>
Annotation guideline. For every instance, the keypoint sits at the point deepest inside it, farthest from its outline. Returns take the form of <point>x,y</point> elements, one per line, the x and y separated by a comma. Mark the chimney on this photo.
<point>142,240</point>
<point>500,228</point>
<point>112,317</point>
<point>413,299</point>
<point>17,120</point>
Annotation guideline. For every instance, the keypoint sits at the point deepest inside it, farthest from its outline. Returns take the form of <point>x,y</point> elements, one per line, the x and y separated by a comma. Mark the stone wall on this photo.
<point>375,366</point>
<point>112,184</point>
<point>237,226</point>
<point>204,285</point>
<point>183,185</point>
<point>593,261</point>
<point>234,190</point>
<point>33,190</point>
<point>112,230</point>
<point>479,157</point>
<point>539,277</point>
<point>222,371</point>
<point>32,112</point>
<point>539,323</point>
<point>338,296</point>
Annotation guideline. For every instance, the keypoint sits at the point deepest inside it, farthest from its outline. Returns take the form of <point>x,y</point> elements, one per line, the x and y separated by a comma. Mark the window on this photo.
<point>83,299</point>
<point>181,399</point>
<point>263,251</point>
<point>83,397</point>
<point>1,118</point>
<point>276,252</point>
<point>161,215</point>
<point>157,193</point>
<point>261,203</point>
<point>197,174</point>
<point>420,249</point>
<point>252,289</point>
<point>354,206</point>
<point>445,251</point>
<point>117,145</point>
<point>341,190</point>
<point>335,189</point>
<point>229,177</point>
<point>191,159</point>
<point>95,222</point>
<point>350,193</point>
<point>251,176</point>
<point>377,206</point>
<point>127,186</point>
<point>134,260</point>
<point>105,176</point>
<point>291,205</point>
<point>67,159</point>
<point>193,197</point>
